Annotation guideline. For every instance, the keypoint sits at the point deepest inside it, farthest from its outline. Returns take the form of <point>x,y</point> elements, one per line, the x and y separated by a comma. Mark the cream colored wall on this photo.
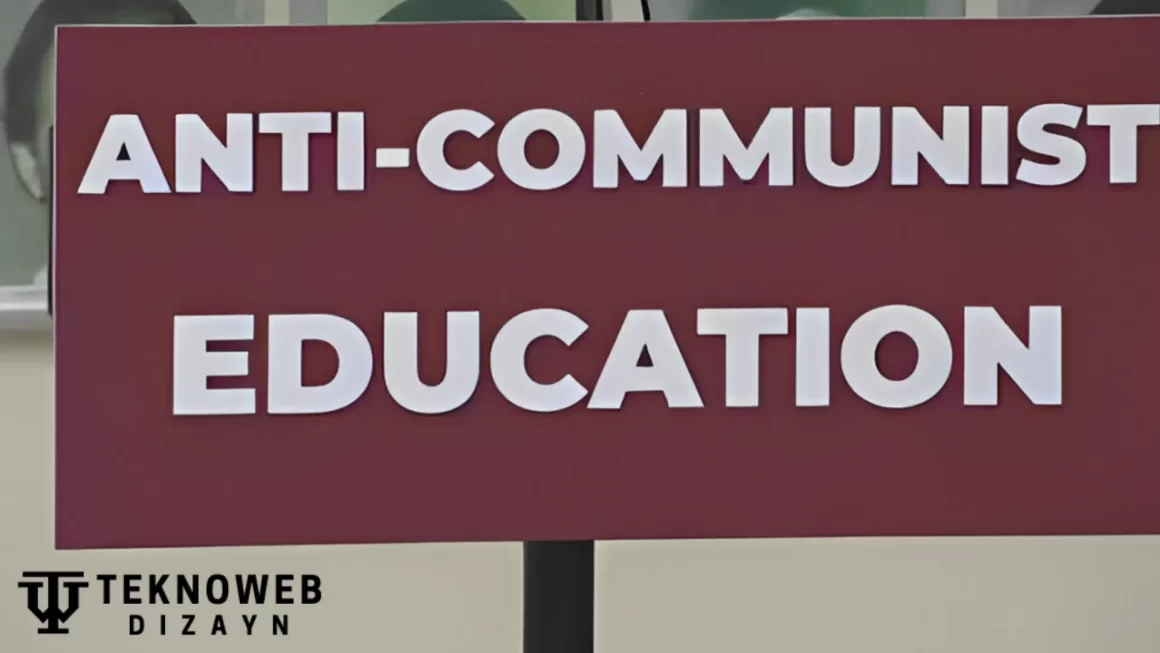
<point>1076,595</point>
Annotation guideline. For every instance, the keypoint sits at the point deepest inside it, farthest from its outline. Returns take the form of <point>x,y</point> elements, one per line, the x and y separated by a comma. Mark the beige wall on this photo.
<point>1083,595</point>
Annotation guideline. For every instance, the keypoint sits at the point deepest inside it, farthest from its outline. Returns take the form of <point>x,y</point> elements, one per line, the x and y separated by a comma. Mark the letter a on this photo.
<point>124,132</point>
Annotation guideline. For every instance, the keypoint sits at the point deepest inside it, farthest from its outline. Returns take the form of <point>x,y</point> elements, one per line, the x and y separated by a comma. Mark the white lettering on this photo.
<point>432,159</point>
<point>351,151</point>
<point>719,143</point>
<point>949,154</point>
<point>509,351</point>
<point>820,151</point>
<point>668,144</point>
<point>513,142</point>
<point>401,363</point>
<point>286,394</point>
<point>1071,158</point>
<point>989,344</point>
<point>295,129</point>
<point>645,331</point>
<point>194,364</point>
<point>1123,122</point>
<point>995,135</point>
<point>742,328</point>
<point>812,362</point>
<point>232,162</point>
<point>123,131</point>
<point>860,347</point>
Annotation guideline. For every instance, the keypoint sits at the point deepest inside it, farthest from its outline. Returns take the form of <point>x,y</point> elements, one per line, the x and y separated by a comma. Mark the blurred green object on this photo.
<point>438,11</point>
<point>754,9</point>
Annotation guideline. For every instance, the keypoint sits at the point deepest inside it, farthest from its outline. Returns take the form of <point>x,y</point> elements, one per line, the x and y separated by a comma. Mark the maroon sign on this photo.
<point>514,282</point>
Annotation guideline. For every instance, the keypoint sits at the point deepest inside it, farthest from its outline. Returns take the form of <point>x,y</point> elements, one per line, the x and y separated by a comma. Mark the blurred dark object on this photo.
<point>440,11</point>
<point>28,75</point>
<point>1126,7</point>
<point>589,9</point>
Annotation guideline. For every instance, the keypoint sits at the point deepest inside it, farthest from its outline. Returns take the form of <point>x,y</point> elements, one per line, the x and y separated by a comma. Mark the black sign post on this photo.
<point>559,586</point>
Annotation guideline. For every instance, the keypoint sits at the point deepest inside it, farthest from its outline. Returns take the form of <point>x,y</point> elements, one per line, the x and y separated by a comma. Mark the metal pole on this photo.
<point>559,593</point>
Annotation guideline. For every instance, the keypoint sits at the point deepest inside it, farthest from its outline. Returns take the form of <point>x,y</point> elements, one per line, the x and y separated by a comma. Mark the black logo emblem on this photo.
<point>54,614</point>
